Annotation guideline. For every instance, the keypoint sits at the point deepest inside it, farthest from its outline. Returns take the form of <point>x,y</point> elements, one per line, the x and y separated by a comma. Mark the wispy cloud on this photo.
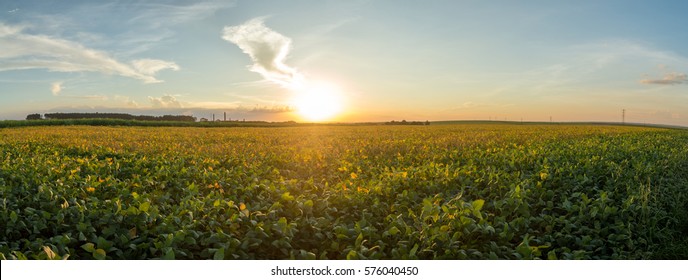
<point>148,24</point>
<point>273,109</point>
<point>56,88</point>
<point>607,64</point>
<point>470,105</point>
<point>152,66</point>
<point>86,97</point>
<point>257,99</point>
<point>19,50</point>
<point>212,104</point>
<point>668,79</point>
<point>166,101</point>
<point>8,30</point>
<point>158,14</point>
<point>237,107</point>
<point>93,96</point>
<point>603,53</point>
<point>171,102</point>
<point>267,49</point>
<point>126,100</point>
<point>327,28</point>
<point>139,26</point>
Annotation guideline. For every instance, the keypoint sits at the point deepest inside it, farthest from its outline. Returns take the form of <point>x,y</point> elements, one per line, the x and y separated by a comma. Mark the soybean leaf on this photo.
<point>99,254</point>
<point>89,247</point>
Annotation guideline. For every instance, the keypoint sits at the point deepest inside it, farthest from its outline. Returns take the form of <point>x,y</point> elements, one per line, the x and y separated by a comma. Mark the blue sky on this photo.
<point>381,60</point>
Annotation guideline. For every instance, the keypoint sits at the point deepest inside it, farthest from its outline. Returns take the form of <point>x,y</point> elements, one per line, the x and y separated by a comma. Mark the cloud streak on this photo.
<point>157,14</point>
<point>20,51</point>
<point>266,48</point>
<point>668,79</point>
<point>152,66</point>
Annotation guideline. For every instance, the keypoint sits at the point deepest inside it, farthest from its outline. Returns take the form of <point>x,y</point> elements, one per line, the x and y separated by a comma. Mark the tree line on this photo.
<point>119,116</point>
<point>404,122</point>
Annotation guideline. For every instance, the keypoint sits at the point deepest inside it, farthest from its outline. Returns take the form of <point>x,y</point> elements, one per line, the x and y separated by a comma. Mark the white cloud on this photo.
<point>152,66</point>
<point>20,51</point>
<point>166,101</point>
<point>56,88</point>
<point>267,49</point>
<point>668,79</point>
<point>6,30</point>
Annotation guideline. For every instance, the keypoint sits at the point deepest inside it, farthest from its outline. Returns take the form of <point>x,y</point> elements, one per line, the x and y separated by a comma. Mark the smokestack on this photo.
<point>213,117</point>
<point>225,116</point>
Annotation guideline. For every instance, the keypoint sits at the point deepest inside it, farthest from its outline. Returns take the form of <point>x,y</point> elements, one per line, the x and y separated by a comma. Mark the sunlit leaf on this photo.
<point>99,254</point>
<point>144,206</point>
<point>89,247</point>
<point>352,255</point>
<point>49,253</point>
<point>478,204</point>
<point>287,197</point>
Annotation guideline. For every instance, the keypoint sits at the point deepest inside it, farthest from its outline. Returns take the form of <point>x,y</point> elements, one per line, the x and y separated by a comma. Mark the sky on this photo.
<point>348,61</point>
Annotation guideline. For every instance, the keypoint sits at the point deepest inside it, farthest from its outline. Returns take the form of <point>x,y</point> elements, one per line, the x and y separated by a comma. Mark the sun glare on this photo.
<point>318,101</point>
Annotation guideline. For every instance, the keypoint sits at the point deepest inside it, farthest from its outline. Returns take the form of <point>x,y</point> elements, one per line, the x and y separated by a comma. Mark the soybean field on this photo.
<point>455,191</point>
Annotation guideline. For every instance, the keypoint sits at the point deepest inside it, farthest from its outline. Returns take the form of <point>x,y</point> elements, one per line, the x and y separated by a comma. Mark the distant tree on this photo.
<point>33,117</point>
<point>120,116</point>
<point>405,122</point>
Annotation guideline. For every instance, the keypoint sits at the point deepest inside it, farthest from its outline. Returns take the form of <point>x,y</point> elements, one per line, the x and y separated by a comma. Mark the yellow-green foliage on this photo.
<point>473,191</point>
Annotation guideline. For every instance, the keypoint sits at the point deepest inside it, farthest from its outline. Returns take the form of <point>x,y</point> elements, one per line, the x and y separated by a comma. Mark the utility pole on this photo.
<point>623,116</point>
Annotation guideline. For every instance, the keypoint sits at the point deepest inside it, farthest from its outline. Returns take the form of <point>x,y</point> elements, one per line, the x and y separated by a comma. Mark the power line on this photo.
<point>623,116</point>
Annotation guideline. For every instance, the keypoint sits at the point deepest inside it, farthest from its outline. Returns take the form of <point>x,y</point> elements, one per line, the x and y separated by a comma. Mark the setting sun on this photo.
<point>318,101</point>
